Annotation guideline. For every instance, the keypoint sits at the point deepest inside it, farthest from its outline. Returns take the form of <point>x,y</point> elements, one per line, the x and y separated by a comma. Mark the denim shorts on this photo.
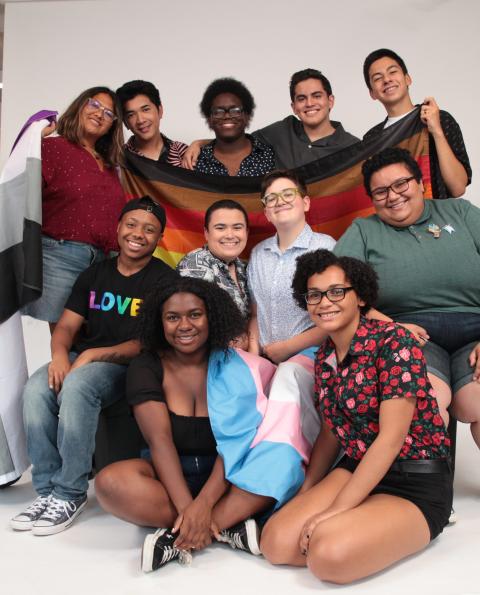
<point>432,492</point>
<point>453,335</point>
<point>63,261</point>
<point>196,469</point>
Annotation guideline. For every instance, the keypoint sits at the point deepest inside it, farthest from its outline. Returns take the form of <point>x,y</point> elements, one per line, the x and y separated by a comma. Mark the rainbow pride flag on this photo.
<point>334,186</point>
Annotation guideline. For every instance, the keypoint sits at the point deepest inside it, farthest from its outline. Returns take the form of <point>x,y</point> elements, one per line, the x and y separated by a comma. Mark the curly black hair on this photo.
<point>227,85</point>
<point>225,322</point>
<point>386,157</point>
<point>360,275</point>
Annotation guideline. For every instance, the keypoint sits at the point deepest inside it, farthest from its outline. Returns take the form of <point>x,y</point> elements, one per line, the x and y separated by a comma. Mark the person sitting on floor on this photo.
<point>391,493</point>
<point>213,462</point>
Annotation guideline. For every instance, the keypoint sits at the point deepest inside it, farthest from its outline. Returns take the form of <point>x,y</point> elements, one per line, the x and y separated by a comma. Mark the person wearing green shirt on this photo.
<point>427,257</point>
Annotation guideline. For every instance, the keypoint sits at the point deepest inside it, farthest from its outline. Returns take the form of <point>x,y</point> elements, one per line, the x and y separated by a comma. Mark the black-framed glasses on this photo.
<point>94,105</point>
<point>334,294</point>
<point>218,113</point>
<point>288,195</point>
<point>399,186</point>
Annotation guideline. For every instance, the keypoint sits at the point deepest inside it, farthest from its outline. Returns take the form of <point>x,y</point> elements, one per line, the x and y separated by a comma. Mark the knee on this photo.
<point>329,558</point>
<point>275,544</point>
<point>108,485</point>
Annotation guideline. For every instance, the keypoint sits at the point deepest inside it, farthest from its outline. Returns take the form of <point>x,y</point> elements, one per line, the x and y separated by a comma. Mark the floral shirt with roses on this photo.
<point>383,362</point>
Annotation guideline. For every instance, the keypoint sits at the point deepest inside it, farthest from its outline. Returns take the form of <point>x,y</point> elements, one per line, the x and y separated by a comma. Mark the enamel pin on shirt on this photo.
<point>434,229</point>
<point>449,228</point>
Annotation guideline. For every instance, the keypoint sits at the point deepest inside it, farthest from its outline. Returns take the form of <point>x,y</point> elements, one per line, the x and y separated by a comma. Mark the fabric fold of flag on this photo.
<point>259,439</point>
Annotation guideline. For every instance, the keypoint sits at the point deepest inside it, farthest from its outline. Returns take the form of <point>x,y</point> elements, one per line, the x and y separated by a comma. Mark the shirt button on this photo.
<point>309,146</point>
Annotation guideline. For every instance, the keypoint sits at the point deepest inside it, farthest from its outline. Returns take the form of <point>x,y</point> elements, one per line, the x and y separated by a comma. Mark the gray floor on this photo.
<point>101,554</point>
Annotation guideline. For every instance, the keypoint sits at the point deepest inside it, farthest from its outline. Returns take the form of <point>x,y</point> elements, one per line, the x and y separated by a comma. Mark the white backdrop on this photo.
<point>54,50</point>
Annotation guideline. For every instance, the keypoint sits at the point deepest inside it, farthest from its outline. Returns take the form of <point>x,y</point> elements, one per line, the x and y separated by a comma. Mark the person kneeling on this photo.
<point>391,493</point>
<point>210,466</point>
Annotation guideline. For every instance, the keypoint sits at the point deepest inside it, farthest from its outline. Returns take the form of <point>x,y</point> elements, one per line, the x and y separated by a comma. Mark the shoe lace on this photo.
<point>232,538</point>
<point>38,505</point>
<point>56,508</point>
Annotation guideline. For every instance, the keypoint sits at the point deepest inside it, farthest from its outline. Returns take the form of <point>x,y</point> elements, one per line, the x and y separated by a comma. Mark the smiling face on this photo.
<point>334,317</point>
<point>311,104</point>
<point>389,84</point>
<point>185,323</point>
<point>93,123</point>
<point>228,127</point>
<point>227,234</point>
<point>284,214</point>
<point>138,233</point>
<point>143,117</point>
<point>399,210</point>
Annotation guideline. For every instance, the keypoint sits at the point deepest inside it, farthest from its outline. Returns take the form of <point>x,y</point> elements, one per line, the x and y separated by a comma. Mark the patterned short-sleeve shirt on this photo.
<point>384,362</point>
<point>259,162</point>
<point>172,152</point>
<point>202,264</point>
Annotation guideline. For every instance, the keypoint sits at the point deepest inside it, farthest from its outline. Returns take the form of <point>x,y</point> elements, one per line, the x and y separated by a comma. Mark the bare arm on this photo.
<point>253,334</point>
<point>121,353</point>
<point>282,350</point>
<point>394,421</point>
<point>323,455</point>
<point>452,170</point>
<point>154,423</point>
<point>61,343</point>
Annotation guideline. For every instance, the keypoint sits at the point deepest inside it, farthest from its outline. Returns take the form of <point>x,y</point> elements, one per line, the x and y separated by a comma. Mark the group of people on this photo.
<point>394,321</point>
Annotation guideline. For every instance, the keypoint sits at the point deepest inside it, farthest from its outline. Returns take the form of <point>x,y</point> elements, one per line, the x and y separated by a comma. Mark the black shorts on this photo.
<point>431,492</point>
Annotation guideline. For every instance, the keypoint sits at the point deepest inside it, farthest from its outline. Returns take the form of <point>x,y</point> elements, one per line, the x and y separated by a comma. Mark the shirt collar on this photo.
<point>303,240</point>
<point>222,263</point>
<point>358,345</point>
<point>326,141</point>
<point>131,145</point>
<point>257,147</point>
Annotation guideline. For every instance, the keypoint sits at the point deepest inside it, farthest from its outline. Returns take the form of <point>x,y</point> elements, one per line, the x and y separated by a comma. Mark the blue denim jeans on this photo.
<point>61,428</point>
<point>63,261</point>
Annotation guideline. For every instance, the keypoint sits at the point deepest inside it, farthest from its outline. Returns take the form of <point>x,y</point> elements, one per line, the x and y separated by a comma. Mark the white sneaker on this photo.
<point>452,519</point>
<point>58,515</point>
<point>25,520</point>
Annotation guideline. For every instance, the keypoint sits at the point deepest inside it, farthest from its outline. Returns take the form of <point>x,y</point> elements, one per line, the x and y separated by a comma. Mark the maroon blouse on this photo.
<point>80,203</point>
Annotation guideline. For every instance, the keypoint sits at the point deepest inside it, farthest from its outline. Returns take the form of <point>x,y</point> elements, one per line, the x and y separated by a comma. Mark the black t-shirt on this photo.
<point>191,435</point>
<point>110,302</point>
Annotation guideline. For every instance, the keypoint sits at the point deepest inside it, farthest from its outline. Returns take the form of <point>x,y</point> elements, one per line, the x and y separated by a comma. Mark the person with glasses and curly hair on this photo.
<point>81,195</point>
<point>227,106</point>
<point>391,492</point>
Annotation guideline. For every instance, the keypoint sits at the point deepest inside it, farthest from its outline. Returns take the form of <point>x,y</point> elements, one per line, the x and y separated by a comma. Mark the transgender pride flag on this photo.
<point>260,439</point>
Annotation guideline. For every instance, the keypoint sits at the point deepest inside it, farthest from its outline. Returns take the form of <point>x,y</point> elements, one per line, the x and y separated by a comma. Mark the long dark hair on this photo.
<point>109,146</point>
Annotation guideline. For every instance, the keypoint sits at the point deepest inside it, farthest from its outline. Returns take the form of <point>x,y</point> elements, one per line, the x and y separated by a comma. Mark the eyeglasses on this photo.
<point>288,195</point>
<point>218,113</point>
<point>334,294</point>
<point>399,186</point>
<point>93,105</point>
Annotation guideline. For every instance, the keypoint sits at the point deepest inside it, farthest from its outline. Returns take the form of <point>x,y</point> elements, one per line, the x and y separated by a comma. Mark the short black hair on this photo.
<point>309,73</point>
<point>131,89</point>
<point>388,157</point>
<point>360,275</point>
<point>225,322</point>
<point>376,55</point>
<point>225,203</point>
<point>290,174</point>
<point>227,85</point>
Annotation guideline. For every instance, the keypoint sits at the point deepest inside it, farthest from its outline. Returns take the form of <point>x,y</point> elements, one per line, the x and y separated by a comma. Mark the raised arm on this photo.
<point>190,156</point>
<point>452,170</point>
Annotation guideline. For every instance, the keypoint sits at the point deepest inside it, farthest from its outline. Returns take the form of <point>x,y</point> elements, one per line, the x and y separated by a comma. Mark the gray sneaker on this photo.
<point>58,515</point>
<point>244,536</point>
<point>25,520</point>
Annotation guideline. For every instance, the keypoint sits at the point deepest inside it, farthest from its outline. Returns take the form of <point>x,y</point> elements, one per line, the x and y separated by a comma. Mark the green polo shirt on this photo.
<point>418,272</point>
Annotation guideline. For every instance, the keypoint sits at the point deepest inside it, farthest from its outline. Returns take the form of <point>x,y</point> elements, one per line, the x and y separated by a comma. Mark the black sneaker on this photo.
<point>158,549</point>
<point>244,536</point>
<point>25,520</point>
<point>58,515</point>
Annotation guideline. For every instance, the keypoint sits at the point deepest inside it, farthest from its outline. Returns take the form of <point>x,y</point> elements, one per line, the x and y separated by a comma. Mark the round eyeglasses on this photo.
<point>218,113</point>
<point>288,195</point>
